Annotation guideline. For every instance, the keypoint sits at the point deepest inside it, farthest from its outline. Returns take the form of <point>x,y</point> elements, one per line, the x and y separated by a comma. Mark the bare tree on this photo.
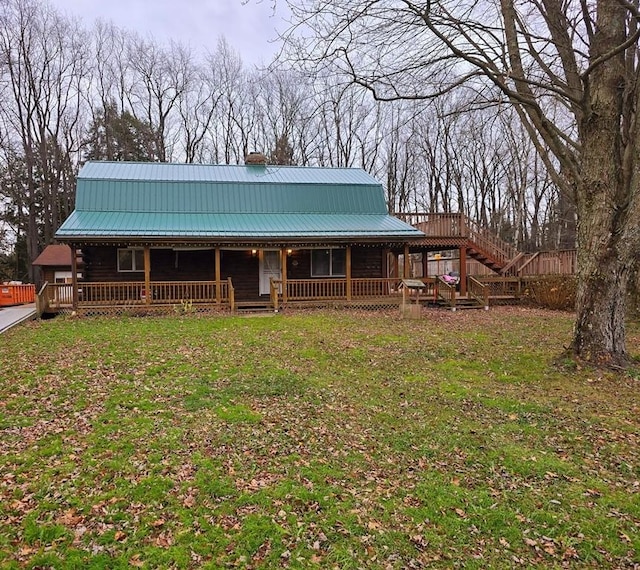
<point>43,70</point>
<point>161,77</point>
<point>570,71</point>
<point>197,106</point>
<point>281,99</point>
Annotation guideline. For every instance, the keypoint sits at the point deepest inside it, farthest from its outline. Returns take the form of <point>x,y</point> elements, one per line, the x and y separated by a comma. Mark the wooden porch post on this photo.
<point>283,270</point>
<point>74,277</point>
<point>463,271</point>
<point>348,262</point>
<point>217,269</point>
<point>425,263</point>
<point>407,265</point>
<point>147,274</point>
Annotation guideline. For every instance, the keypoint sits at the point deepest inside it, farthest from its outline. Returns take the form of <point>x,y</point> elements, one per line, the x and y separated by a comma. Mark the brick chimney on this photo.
<point>255,158</point>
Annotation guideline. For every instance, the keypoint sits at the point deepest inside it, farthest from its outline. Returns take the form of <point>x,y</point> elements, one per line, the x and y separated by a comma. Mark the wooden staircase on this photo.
<point>487,248</point>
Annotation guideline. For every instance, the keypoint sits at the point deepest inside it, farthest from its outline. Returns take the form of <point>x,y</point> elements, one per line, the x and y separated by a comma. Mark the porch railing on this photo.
<point>357,289</point>
<point>55,296</point>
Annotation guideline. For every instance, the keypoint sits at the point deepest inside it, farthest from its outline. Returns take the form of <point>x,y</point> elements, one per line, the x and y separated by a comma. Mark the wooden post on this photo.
<point>274,295</point>
<point>407,264</point>
<point>463,271</point>
<point>218,283</point>
<point>462,224</point>
<point>385,271</point>
<point>385,263</point>
<point>425,263</point>
<point>283,271</point>
<point>74,277</point>
<point>232,296</point>
<point>348,262</point>
<point>147,274</point>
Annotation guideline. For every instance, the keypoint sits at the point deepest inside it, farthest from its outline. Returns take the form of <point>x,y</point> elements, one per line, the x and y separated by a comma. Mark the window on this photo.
<point>328,262</point>
<point>130,259</point>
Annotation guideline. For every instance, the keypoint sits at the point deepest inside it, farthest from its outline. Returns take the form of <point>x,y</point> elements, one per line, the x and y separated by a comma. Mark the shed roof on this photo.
<point>155,200</point>
<point>54,256</point>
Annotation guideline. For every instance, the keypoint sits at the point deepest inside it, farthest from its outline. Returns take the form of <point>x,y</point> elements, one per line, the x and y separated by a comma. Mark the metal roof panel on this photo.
<point>270,174</point>
<point>140,224</point>
<point>159,199</point>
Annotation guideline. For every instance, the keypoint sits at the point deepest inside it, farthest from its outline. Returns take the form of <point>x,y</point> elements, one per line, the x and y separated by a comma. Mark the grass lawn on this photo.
<point>315,440</point>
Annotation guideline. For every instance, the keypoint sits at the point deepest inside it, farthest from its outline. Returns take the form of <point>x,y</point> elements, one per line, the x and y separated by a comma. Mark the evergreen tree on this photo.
<point>115,135</point>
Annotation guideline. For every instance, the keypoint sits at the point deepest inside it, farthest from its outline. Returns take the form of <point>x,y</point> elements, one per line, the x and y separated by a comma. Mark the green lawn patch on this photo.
<point>315,440</point>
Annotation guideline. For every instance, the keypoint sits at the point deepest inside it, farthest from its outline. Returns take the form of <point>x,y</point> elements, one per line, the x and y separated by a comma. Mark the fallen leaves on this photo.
<point>163,540</point>
<point>120,535</point>
<point>395,444</point>
<point>70,518</point>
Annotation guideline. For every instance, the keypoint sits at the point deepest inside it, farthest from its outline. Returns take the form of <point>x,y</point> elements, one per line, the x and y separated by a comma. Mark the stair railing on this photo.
<point>446,292</point>
<point>490,244</point>
<point>478,291</point>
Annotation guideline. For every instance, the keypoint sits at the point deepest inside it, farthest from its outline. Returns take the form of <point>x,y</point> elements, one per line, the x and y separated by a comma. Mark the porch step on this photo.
<point>254,307</point>
<point>462,303</point>
<point>468,304</point>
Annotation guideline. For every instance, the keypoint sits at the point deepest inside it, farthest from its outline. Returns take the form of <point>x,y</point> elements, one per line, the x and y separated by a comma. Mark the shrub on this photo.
<point>557,292</point>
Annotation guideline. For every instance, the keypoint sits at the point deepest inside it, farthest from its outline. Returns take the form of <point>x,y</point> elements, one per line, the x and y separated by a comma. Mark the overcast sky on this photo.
<point>248,26</point>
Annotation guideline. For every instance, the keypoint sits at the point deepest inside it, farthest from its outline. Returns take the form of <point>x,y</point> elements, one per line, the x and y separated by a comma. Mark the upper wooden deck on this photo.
<point>444,231</point>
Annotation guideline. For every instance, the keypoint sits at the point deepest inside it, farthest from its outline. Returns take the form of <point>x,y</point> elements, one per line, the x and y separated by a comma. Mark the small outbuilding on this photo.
<point>56,263</point>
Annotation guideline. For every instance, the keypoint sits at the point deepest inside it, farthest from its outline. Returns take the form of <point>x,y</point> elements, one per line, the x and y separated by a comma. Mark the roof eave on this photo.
<point>236,240</point>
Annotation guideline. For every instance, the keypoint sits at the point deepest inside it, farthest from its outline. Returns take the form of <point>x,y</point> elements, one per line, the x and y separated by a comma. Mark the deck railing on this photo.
<point>502,287</point>
<point>490,244</point>
<point>438,225</point>
<point>562,262</point>
<point>458,225</point>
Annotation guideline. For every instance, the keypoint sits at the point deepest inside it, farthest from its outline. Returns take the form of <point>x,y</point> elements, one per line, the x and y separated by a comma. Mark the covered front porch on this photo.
<point>207,296</point>
<point>126,276</point>
<point>183,297</point>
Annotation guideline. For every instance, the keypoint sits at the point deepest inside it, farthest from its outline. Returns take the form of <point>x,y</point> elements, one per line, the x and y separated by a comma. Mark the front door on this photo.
<point>269,268</point>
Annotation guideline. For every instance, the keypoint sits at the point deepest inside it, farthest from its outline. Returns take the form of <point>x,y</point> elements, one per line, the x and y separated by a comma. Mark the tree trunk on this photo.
<point>599,332</point>
<point>602,200</point>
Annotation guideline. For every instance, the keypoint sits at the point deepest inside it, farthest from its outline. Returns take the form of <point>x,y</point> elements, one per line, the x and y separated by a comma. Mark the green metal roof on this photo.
<point>120,199</point>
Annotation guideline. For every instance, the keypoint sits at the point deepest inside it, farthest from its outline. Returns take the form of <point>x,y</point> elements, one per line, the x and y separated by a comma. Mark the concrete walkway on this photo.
<point>12,316</point>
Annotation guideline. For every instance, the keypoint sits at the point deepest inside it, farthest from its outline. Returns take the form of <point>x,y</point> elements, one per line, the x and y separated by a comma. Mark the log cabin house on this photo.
<point>158,235</point>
